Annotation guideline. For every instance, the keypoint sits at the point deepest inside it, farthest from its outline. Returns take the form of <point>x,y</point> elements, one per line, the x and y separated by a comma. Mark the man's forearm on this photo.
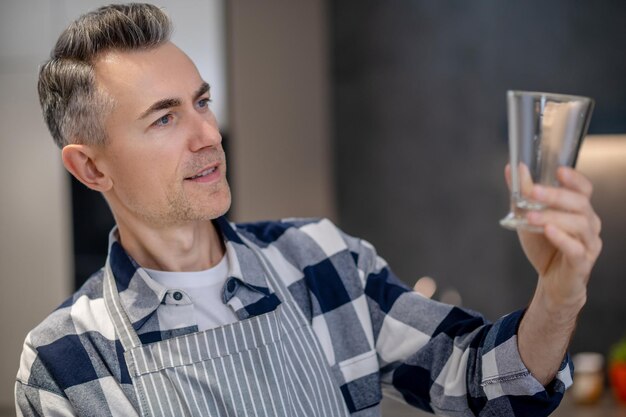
<point>545,333</point>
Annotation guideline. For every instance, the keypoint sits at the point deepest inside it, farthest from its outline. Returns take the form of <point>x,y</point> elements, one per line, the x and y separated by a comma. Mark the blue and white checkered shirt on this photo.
<point>375,332</point>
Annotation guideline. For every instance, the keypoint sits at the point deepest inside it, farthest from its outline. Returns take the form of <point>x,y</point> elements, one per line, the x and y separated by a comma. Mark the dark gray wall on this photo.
<point>420,135</point>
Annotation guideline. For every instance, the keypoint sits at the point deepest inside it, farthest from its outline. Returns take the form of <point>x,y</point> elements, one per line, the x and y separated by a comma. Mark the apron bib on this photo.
<point>268,365</point>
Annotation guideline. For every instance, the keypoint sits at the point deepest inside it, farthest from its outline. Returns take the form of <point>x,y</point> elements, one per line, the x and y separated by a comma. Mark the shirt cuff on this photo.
<point>504,373</point>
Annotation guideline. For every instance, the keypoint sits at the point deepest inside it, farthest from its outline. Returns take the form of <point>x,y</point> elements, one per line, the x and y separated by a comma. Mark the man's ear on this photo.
<point>80,161</point>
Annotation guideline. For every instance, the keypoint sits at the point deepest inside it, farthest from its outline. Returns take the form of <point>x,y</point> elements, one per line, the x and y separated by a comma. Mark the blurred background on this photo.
<point>388,117</point>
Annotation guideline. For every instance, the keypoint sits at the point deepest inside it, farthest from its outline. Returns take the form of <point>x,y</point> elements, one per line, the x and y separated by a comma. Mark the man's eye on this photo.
<point>204,102</point>
<point>163,121</point>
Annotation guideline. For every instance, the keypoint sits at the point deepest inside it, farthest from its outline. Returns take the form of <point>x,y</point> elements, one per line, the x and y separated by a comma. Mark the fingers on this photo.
<point>575,181</point>
<point>568,177</point>
<point>571,248</point>
<point>561,199</point>
<point>578,226</point>
<point>579,255</point>
<point>569,220</point>
<point>574,194</point>
<point>567,207</point>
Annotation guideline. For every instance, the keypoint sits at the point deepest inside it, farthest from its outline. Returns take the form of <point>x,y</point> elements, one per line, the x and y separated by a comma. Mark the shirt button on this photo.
<point>178,296</point>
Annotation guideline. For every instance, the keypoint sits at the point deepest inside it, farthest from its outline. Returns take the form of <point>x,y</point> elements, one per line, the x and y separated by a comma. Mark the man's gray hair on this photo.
<point>73,107</point>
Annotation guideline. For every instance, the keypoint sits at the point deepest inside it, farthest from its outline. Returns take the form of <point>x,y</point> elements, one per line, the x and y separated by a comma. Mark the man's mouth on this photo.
<point>203,173</point>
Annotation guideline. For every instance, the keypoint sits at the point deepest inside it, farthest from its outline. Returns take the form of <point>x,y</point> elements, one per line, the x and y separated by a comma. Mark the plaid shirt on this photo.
<point>375,332</point>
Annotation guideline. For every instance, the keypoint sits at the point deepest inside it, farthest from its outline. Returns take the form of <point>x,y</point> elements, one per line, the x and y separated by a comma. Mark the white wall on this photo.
<point>35,217</point>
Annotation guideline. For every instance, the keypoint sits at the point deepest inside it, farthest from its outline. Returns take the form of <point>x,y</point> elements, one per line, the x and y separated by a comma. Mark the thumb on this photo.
<point>524,178</point>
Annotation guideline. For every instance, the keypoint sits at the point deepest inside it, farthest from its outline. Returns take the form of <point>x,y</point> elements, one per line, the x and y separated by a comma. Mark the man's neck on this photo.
<point>195,246</point>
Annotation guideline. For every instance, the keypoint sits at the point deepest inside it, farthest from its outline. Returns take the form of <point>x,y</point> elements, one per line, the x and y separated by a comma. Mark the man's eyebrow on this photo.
<point>160,105</point>
<point>204,88</point>
<point>173,102</point>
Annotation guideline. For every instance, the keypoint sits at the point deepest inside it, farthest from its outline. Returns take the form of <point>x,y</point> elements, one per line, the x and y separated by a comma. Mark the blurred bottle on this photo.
<point>588,378</point>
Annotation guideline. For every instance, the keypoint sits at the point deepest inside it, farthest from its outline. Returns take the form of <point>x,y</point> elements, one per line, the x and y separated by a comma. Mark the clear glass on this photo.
<point>545,132</point>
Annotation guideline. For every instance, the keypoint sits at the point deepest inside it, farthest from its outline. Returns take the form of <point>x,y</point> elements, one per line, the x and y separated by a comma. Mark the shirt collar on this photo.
<point>141,296</point>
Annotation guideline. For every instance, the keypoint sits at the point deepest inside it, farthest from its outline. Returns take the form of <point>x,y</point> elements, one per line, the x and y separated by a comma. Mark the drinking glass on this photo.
<point>545,132</point>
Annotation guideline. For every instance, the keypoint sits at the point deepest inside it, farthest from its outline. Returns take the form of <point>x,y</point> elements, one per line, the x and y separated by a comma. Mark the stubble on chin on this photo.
<point>181,209</point>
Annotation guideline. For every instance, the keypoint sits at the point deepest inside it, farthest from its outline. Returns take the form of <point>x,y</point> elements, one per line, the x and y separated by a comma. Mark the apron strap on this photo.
<point>277,283</point>
<point>121,322</point>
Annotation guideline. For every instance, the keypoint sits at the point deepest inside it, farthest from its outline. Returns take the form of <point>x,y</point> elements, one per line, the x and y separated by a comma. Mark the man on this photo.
<point>193,315</point>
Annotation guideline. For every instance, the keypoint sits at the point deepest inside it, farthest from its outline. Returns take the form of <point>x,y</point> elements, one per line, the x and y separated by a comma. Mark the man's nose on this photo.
<point>204,131</point>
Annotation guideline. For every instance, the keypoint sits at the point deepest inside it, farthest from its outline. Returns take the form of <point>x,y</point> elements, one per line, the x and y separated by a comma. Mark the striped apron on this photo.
<point>268,365</point>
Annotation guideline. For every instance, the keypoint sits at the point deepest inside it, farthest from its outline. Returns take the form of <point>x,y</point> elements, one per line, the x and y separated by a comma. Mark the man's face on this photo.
<point>163,150</point>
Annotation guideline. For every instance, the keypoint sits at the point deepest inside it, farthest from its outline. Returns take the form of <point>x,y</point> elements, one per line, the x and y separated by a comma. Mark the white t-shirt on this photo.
<point>205,290</point>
